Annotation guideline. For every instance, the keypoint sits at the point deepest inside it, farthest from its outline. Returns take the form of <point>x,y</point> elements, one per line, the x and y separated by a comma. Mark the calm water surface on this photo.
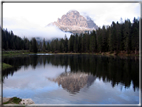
<point>73,79</point>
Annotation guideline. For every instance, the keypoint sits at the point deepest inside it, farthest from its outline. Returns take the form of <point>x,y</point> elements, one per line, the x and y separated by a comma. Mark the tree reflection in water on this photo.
<point>124,70</point>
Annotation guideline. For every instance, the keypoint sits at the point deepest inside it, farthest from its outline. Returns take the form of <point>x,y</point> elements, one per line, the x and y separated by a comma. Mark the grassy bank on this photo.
<point>13,100</point>
<point>15,53</point>
<point>6,66</point>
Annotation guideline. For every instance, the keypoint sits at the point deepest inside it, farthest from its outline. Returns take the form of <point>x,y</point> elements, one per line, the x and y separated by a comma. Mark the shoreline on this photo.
<point>103,53</point>
<point>12,53</point>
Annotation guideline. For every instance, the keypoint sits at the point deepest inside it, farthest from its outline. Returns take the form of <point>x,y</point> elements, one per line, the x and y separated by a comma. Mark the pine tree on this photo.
<point>118,37</point>
<point>33,45</point>
<point>48,47</point>
<point>44,46</point>
<point>92,44</point>
<point>126,31</point>
<point>135,35</point>
<point>66,44</point>
<point>99,40</point>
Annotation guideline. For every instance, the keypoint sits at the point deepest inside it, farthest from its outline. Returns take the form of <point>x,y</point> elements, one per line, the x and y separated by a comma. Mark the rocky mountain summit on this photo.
<point>75,23</point>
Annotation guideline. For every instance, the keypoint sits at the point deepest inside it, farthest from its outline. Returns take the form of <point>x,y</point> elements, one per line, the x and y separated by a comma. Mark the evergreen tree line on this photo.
<point>14,42</point>
<point>115,38</point>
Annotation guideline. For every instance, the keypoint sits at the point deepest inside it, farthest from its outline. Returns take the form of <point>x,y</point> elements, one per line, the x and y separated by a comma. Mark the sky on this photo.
<point>31,19</point>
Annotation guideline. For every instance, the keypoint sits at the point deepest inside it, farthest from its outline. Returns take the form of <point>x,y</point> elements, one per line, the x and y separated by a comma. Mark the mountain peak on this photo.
<point>72,11</point>
<point>73,22</point>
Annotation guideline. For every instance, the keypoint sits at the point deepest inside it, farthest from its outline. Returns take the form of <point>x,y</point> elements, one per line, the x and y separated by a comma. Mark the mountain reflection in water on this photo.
<point>73,82</point>
<point>111,69</point>
<point>72,79</point>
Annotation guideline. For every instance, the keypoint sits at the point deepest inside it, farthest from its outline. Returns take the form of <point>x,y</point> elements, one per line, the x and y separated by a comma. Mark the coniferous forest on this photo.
<point>115,38</point>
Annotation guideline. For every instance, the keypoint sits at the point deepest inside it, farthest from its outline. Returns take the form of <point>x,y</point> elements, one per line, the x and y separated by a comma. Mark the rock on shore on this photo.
<point>27,101</point>
<point>24,101</point>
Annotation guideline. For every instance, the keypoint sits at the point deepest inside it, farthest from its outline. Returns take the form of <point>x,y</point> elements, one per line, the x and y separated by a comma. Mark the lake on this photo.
<point>72,79</point>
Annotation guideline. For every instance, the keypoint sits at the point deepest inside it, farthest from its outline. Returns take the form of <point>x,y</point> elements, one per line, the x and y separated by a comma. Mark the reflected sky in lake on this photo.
<point>52,82</point>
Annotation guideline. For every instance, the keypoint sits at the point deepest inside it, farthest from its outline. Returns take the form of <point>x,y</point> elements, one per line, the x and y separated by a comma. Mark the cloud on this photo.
<point>112,12</point>
<point>22,27</point>
<point>29,19</point>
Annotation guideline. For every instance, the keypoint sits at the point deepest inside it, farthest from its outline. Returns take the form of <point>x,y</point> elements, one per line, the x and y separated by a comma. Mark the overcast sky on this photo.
<point>30,19</point>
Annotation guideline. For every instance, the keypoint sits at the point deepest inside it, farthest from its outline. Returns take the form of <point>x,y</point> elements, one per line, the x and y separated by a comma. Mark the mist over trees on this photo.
<point>115,38</point>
